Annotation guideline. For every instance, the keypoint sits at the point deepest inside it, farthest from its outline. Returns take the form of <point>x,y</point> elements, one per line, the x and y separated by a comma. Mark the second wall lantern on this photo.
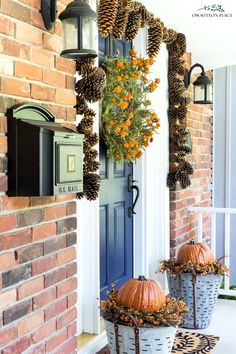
<point>203,86</point>
<point>80,32</point>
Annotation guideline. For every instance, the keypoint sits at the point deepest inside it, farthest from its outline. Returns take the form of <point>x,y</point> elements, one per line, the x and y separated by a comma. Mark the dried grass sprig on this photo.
<point>172,267</point>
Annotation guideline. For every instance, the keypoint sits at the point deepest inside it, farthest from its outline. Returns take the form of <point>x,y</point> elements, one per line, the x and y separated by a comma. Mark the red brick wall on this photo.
<point>183,225</point>
<point>37,235</point>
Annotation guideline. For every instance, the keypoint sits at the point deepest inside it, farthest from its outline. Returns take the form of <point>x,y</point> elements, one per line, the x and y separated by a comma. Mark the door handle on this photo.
<point>132,187</point>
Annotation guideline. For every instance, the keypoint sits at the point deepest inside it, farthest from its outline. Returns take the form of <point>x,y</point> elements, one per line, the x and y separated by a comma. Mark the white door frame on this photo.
<point>151,225</point>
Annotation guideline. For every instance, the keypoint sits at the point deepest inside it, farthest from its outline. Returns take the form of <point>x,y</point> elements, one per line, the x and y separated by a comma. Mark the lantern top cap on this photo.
<point>203,80</point>
<point>77,8</point>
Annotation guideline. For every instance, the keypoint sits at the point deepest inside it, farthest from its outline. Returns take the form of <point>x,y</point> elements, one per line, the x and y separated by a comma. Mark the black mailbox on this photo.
<point>44,158</point>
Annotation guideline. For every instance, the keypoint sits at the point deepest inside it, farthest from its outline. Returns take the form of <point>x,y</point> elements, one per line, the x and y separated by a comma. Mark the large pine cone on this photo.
<point>144,15</point>
<point>84,66</point>
<point>179,113</point>
<point>178,47</point>
<point>155,36</point>
<point>165,34</point>
<point>81,105</point>
<point>186,167</point>
<point>91,186</point>
<point>176,65</point>
<point>86,125</point>
<point>92,154</point>
<point>170,36</point>
<point>133,25</point>
<point>91,139</point>
<point>171,180</point>
<point>91,166</point>
<point>120,23</point>
<point>107,11</point>
<point>183,178</point>
<point>150,19</point>
<point>92,86</point>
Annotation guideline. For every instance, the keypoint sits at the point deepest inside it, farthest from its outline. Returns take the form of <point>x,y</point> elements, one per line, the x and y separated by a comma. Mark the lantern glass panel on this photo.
<point>199,93</point>
<point>70,33</point>
<point>210,93</point>
<point>89,33</point>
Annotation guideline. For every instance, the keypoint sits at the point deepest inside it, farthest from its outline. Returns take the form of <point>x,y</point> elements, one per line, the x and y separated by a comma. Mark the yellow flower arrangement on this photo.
<point>128,122</point>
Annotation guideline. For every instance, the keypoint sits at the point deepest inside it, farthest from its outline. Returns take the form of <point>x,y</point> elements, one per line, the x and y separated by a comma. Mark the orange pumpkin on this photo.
<point>140,294</point>
<point>195,252</point>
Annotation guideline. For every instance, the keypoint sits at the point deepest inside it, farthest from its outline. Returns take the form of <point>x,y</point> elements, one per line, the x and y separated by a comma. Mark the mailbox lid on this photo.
<point>55,128</point>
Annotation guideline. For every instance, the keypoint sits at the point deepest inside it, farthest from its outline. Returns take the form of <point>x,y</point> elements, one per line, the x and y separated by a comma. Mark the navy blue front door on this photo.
<point>116,227</point>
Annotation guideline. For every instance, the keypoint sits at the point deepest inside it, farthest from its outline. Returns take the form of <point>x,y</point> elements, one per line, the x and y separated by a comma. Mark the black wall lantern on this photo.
<point>203,86</point>
<point>48,11</point>
<point>80,32</point>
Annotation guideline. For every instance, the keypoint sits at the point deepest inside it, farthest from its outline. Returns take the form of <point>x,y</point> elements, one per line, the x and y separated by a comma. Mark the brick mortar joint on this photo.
<point>44,339</point>
<point>38,207</point>
<point>31,297</point>
<point>39,258</point>
<point>43,308</point>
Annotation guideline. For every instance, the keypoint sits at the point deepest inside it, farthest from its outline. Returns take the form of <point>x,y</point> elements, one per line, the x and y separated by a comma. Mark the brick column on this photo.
<point>38,280</point>
<point>183,226</point>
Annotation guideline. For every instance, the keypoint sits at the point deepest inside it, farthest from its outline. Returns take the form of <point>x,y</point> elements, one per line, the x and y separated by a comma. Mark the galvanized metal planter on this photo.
<point>199,293</point>
<point>135,340</point>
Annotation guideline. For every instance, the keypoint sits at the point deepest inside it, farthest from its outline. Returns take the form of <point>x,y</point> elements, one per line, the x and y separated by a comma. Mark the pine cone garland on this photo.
<point>91,87</point>
<point>176,65</point>
<point>150,19</point>
<point>179,136</point>
<point>92,139</point>
<point>181,40</point>
<point>184,101</point>
<point>91,166</point>
<point>183,150</point>
<point>183,178</point>
<point>155,36</point>
<point>80,195</point>
<point>107,11</point>
<point>144,15</point>
<point>91,186</point>
<point>133,25</point>
<point>172,118</point>
<point>81,105</point>
<point>171,36</point>
<point>175,97</point>
<point>92,154</point>
<point>186,167</point>
<point>86,125</point>
<point>86,146</point>
<point>120,23</point>
<point>178,47</point>
<point>179,113</point>
<point>171,180</point>
<point>165,34</point>
<point>84,66</point>
<point>182,113</point>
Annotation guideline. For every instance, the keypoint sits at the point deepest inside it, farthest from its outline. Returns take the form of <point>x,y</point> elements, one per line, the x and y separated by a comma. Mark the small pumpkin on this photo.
<point>198,253</point>
<point>141,294</point>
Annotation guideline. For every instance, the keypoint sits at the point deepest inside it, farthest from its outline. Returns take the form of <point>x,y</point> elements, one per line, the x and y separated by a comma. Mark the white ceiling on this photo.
<point>211,40</point>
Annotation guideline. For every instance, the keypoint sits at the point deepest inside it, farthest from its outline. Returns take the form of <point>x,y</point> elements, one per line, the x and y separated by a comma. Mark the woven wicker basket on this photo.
<point>199,292</point>
<point>135,340</point>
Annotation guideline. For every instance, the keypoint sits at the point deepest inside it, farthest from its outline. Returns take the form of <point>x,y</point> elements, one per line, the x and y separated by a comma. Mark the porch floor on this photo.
<point>223,325</point>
